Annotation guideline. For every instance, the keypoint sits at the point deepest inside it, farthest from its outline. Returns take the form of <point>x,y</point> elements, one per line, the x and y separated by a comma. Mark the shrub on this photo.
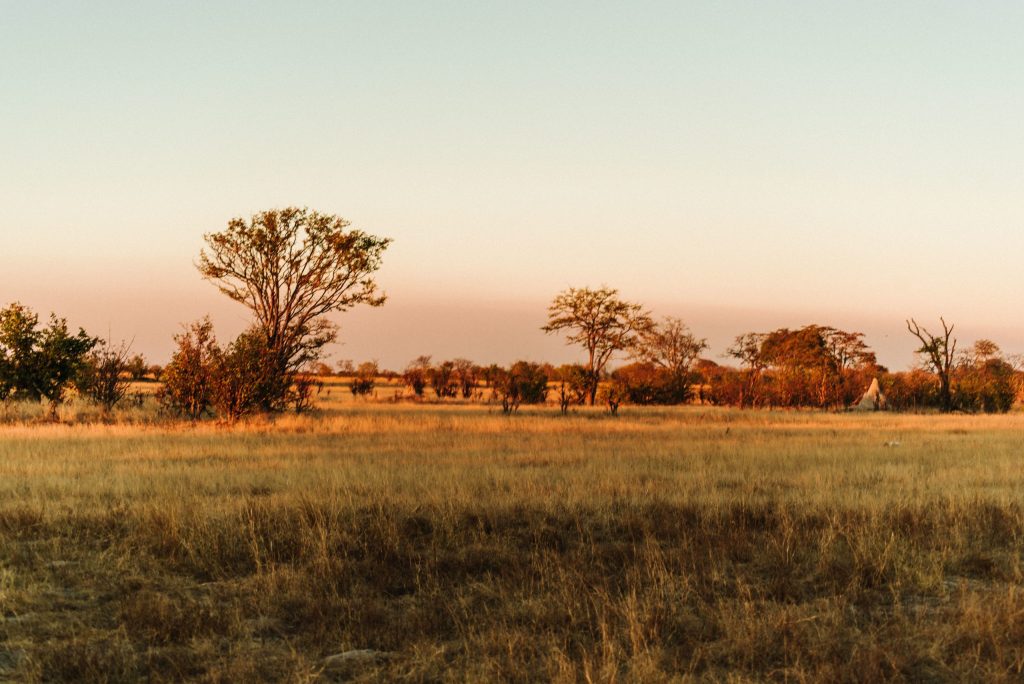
<point>246,378</point>
<point>646,383</point>
<point>365,378</point>
<point>417,374</point>
<point>188,378</point>
<point>523,383</point>
<point>106,375</point>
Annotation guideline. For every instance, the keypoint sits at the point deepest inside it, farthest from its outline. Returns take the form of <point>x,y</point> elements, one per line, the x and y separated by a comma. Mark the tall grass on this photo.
<point>665,545</point>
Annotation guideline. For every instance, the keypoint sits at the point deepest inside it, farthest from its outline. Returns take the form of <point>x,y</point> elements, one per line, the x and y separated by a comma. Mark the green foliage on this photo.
<point>19,337</point>
<point>39,363</point>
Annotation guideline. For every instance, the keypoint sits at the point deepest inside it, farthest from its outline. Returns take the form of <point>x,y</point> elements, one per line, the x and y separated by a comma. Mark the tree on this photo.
<point>136,367</point>
<point>322,369</point>
<point>188,378</point>
<point>937,353</point>
<point>645,383</point>
<point>815,365</point>
<point>39,364</point>
<point>465,376</point>
<point>522,383</point>
<point>443,379</point>
<point>573,385</point>
<point>673,348</point>
<point>242,378</point>
<point>304,387</point>
<point>601,323</point>
<point>59,359</point>
<point>18,339</point>
<point>985,381</point>
<point>291,268</point>
<point>746,349</point>
<point>103,378</point>
<point>417,374</point>
<point>365,378</point>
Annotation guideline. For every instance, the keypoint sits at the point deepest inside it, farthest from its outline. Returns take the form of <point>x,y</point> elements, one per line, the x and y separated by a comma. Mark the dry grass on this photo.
<point>665,545</point>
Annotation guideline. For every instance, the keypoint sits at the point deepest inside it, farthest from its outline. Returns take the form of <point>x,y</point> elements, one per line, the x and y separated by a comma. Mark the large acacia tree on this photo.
<point>601,323</point>
<point>292,267</point>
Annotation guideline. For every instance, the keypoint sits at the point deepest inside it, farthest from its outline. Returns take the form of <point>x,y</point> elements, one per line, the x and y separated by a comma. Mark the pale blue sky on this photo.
<point>742,165</point>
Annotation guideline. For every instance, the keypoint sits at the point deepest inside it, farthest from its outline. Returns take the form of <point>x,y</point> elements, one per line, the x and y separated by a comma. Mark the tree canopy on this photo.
<point>291,267</point>
<point>600,322</point>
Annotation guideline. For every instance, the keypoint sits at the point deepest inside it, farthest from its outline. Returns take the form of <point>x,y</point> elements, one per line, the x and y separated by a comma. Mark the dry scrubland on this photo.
<point>665,545</point>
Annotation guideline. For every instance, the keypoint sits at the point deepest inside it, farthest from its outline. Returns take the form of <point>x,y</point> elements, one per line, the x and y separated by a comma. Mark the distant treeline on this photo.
<point>811,367</point>
<point>293,267</point>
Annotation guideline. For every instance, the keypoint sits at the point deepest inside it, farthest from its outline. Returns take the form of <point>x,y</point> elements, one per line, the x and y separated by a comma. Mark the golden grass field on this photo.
<point>682,544</point>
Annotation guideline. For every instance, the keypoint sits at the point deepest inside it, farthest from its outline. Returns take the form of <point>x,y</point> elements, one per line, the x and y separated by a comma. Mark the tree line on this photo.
<point>293,267</point>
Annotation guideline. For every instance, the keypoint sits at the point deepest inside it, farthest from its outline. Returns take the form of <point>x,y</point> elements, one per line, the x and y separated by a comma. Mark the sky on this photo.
<point>741,165</point>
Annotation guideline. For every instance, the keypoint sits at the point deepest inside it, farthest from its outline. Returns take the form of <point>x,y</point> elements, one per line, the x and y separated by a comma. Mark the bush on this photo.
<point>523,383</point>
<point>646,383</point>
<point>365,379</point>
<point>910,391</point>
<point>246,378</point>
<point>38,364</point>
<point>106,375</point>
<point>985,386</point>
<point>188,378</point>
<point>417,374</point>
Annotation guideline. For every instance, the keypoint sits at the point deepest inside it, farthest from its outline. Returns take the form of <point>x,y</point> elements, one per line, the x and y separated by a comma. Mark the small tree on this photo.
<point>746,349</point>
<point>322,369</point>
<point>39,364</point>
<point>136,367</point>
<point>938,353</point>
<point>365,378</point>
<point>443,379</point>
<point>243,378</point>
<point>304,387</point>
<point>601,323</point>
<point>417,374</point>
<point>106,375</point>
<point>614,394</point>
<point>671,346</point>
<point>188,378</point>
<point>291,268</point>
<point>465,376</point>
<point>60,357</point>
<point>19,336</point>
<point>985,380</point>
<point>647,383</point>
<point>522,383</point>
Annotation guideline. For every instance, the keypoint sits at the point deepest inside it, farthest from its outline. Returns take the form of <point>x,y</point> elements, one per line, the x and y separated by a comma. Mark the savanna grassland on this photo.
<point>458,544</point>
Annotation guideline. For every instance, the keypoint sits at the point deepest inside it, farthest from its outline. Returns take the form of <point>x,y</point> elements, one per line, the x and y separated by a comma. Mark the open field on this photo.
<point>664,545</point>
